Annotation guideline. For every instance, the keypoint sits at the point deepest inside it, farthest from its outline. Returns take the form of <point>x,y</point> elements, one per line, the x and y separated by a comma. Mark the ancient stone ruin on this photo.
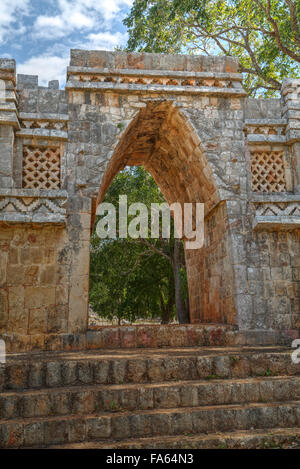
<point>188,120</point>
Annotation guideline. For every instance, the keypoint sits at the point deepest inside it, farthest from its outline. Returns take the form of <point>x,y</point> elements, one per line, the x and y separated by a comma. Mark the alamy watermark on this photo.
<point>296,353</point>
<point>188,221</point>
<point>2,352</point>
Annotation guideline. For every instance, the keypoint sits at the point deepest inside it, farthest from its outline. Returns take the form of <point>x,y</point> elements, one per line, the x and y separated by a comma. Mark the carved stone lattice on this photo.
<point>268,174</point>
<point>41,168</point>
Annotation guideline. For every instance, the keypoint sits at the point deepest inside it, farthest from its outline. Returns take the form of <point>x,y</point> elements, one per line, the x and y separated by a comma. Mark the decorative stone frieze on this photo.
<point>41,133</point>
<point>162,80</point>
<point>265,126</point>
<point>157,86</point>
<point>264,131</point>
<point>33,206</point>
<point>281,212</point>
<point>43,120</point>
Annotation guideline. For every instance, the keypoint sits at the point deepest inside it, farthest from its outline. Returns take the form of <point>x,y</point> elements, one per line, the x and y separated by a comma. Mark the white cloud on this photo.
<point>49,22</point>
<point>75,15</point>
<point>53,67</point>
<point>47,67</point>
<point>106,40</point>
<point>11,11</point>
<point>109,9</point>
<point>86,18</point>
<point>80,20</point>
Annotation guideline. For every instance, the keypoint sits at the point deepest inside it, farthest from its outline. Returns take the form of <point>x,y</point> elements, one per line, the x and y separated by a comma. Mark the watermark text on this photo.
<point>188,221</point>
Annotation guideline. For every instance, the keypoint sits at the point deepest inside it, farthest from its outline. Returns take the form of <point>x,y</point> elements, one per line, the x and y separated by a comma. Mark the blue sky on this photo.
<point>40,33</point>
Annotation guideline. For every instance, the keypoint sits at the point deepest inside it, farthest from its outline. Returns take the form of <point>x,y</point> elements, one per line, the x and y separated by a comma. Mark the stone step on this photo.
<point>46,370</point>
<point>42,432</point>
<point>279,438</point>
<point>93,399</point>
<point>137,336</point>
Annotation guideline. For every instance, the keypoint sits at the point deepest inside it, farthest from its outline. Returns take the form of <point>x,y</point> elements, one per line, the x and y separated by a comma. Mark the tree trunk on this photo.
<point>165,318</point>
<point>181,311</point>
<point>166,310</point>
<point>187,309</point>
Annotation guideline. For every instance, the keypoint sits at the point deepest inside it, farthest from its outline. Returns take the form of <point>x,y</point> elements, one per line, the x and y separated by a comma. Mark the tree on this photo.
<point>136,278</point>
<point>263,34</point>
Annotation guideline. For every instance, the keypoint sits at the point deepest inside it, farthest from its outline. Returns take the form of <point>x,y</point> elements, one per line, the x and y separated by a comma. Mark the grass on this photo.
<point>213,377</point>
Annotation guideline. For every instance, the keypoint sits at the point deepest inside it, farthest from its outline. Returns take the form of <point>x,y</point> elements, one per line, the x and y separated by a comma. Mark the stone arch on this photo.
<point>189,121</point>
<point>162,139</point>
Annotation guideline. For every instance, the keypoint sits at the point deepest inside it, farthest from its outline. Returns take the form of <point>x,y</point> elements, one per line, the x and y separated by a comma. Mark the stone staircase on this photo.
<point>173,397</point>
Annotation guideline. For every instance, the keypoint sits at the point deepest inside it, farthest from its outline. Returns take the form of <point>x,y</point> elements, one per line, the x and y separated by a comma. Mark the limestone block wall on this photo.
<point>189,121</point>
<point>212,268</point>
<point>44,243</point>
<point>34,287</point>
<point>44,271</point>
<point>183,120</point>
<point>273,280</point>
<point>273,244</point>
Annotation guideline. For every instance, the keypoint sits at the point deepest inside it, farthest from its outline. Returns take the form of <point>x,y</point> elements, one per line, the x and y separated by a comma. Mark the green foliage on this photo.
<point>133,278</point>
<point>263,34</point>
<point>269,372</point>
<point>270,444</point>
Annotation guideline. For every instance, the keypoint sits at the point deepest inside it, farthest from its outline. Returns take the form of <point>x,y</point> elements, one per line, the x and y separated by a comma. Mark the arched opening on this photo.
<point>137,280</point>
<point>161,139</point>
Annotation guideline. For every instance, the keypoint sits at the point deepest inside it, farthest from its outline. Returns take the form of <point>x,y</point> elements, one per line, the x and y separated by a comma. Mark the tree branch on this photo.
<point>218,37</point>
<point>294,20</point>
<point>155,249</point>
<point>277,37</point>
<point>257,67</point>
<point>144,253</point>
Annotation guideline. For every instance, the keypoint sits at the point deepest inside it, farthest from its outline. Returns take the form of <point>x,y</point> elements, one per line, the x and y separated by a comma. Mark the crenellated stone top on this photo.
<point>160,73</point>
<point>32,81</point>
<point>149,61</point>
<point>8,70</point>
<point>8,98</point>
<point>291,108</point>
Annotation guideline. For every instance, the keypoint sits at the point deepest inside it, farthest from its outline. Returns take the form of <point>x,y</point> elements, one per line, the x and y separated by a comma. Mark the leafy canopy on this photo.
<point>133,278</point>
<point>263,34</point>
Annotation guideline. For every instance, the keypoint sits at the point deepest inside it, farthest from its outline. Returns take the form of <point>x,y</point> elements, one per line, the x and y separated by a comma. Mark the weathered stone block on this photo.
<point>85,372</point>
<point>12,435</point>
<point>56,432</point>
<point>53,374</point>
<point>83,402</point>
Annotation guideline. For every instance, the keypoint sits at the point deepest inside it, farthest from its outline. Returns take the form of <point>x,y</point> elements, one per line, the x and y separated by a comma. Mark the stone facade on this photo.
<point>188,120</point>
